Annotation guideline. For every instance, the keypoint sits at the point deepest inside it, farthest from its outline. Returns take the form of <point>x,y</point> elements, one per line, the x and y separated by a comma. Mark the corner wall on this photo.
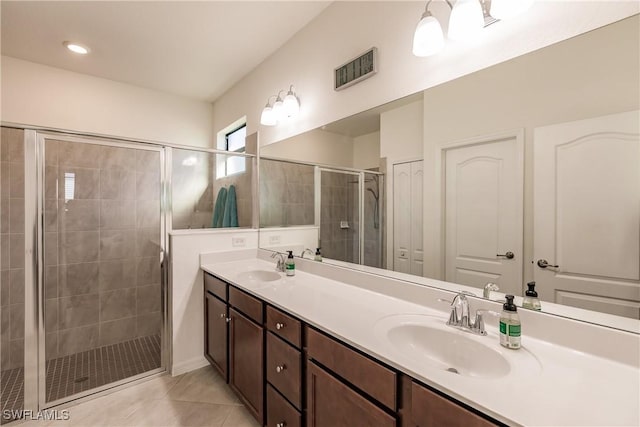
<point>39,95</point>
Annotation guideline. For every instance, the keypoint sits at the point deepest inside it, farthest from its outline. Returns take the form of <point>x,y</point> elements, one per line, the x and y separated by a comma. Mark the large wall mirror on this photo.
<point>525,171</point>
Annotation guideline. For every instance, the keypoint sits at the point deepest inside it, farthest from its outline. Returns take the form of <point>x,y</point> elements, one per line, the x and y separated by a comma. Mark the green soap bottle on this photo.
<point>510,325</point>
<point>290,265</point>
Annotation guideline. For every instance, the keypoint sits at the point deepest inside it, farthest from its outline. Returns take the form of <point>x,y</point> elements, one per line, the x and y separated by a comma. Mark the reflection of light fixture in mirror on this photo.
<point>466,20</point>
<point>76,47</point>
<point>505,9</point>
<point>290,104</point>
<point>268,118</point>
<point>428,38</point>
<point>190,161</point>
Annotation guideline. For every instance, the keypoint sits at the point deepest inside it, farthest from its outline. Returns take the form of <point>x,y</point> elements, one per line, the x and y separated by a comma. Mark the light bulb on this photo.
<point>76,48</point>
<point>267,117</point>
<point>505,9</point>
<point>278,109</point>
<point>290,104</point>
<point>466,20</point>
<point>428,38</point>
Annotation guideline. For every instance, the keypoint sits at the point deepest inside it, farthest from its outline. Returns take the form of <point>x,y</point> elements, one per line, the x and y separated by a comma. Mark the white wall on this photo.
<point>316,146</point>
<point>38,95</point>
<point>187,291</point>
<point>366,151</point>
<point>346,29</point>
<point>591,75</point>
<point>401,132</point>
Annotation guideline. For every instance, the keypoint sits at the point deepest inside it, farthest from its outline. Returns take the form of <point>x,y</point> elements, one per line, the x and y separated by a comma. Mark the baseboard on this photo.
<point>188,366</point>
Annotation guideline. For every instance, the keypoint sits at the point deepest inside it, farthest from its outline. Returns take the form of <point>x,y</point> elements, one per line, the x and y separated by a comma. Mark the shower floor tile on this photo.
<point>83,371</point>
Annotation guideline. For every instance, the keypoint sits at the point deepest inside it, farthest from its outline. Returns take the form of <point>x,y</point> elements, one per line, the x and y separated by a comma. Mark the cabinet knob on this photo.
<point>280,368</point>
<point>222,315</point>
<point>280,325</point>
<point>282,424</point>
<point>228,319</point>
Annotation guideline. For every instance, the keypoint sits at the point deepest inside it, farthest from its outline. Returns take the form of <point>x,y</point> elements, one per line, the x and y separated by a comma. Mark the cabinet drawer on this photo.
<point>245,303</point>
<point>330,403</point>
<point>215,286</point>
<point>285,326</point>
<point>280,412</point>
<point>284,369</point>
<point>429,409</point>
<point>369,376</point>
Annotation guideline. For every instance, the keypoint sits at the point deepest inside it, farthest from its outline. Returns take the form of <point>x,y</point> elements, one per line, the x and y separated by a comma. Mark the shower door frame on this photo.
<point>35,349</point>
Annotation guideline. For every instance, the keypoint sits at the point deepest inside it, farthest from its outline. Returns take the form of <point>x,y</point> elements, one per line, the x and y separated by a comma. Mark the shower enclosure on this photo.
<point>350,209</point>
<point>83,229</point>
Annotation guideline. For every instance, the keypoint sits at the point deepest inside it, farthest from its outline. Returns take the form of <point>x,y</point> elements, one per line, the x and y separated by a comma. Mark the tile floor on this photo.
<point>197,398</point>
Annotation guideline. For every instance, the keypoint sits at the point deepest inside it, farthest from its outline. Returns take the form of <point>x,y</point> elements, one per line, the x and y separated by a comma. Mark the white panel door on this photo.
<point>402,217</point>
<point>484,214</point>
<point>417,184</point>
<point>587,213</point>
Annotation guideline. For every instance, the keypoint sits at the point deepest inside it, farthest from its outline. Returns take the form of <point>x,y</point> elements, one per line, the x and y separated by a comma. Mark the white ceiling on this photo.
<point>193,49</point>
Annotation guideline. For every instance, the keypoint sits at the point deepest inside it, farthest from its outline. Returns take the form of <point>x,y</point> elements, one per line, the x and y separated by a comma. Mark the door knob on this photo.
<point>543,263</point>
<point>508,255</point>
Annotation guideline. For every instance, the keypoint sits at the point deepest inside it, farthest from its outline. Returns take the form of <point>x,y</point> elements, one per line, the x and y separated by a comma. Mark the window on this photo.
<point>234,141</point>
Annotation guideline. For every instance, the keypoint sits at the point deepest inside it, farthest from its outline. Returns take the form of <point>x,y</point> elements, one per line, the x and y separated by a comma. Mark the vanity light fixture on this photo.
<point>467,19</point>
<point>281,109</point>
<point>76,47</point>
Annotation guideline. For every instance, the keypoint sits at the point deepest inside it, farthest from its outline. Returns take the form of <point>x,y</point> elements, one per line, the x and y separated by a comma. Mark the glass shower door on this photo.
<point>103,239</point>
<point>340,215</point>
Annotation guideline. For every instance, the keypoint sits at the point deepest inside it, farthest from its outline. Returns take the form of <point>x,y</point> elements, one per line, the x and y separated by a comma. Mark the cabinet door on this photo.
<point>246,371</point>
<point>428,409</point>
<point>216,333</point>
<point>330,403</point>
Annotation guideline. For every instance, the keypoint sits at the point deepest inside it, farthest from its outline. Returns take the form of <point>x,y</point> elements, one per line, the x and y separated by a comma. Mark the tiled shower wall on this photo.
<point>11,248</point>
<point>339,202</point>
<point>102,272</point>
<point>286,194</point>
<point>195,189</point>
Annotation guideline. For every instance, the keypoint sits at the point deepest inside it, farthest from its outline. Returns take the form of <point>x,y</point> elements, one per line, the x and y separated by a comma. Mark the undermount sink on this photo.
<point>259,276</point>
<point>428,341</point>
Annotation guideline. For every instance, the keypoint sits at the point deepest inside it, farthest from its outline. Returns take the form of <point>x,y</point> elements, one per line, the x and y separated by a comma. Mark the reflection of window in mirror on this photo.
<point>233,141</point>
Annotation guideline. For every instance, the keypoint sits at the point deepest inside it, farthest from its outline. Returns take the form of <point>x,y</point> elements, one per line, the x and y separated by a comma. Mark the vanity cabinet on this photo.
<point>290,374</point>
<point>216,315</point>
<point>246,350</point>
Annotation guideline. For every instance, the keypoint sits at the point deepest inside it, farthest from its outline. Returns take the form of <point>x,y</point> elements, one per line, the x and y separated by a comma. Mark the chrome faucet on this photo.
<point>460,317</point>
<point>307,251</point>
<point>280,261</point>
<point>488,288</point>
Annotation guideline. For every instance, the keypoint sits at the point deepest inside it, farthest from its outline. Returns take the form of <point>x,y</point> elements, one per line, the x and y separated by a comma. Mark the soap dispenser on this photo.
<point>318,255</point>
<point>531,300</point>
<point>510,325</point>
<point>290,265</point>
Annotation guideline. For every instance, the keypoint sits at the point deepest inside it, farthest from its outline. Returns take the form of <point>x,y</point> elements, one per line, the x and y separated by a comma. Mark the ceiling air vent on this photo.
<point>354,71</point>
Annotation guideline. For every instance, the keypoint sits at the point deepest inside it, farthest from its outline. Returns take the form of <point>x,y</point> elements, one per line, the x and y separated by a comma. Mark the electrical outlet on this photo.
<point>238,242</point>
<point>274,240</point>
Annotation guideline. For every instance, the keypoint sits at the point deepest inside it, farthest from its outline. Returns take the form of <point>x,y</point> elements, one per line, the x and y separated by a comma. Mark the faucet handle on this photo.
<point>478,323</point>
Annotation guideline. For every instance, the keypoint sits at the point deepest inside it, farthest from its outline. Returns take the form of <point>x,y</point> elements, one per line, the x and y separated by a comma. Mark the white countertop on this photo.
<point>569,387</point>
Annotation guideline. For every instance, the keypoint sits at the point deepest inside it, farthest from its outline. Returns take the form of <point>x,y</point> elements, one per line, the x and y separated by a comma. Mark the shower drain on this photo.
<point>81,379</point>
<point>454,370</point>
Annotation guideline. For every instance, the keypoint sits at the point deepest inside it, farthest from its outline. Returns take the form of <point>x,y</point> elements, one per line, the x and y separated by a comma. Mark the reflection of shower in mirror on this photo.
<point>376,195</point>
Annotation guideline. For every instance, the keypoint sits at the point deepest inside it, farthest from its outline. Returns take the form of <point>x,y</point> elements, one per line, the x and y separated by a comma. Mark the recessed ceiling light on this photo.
<point>76,48</point>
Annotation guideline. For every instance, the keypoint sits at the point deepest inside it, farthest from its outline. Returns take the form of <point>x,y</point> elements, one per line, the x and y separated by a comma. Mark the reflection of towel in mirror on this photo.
<point>230,218</point>
<point>218,211</point>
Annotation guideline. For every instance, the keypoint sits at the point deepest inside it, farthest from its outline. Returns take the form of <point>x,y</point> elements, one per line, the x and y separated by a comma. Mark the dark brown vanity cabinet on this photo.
<point>289,374</point>
<point>215,327</point>
<point>246,350</point>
